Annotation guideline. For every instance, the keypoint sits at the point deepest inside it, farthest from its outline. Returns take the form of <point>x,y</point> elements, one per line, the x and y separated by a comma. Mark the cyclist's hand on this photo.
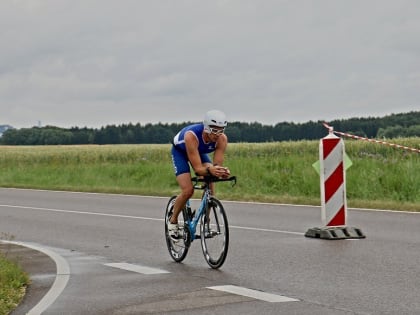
<point>225,172</point>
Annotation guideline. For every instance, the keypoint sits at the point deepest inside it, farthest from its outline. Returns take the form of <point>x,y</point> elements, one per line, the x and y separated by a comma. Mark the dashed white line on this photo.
<point>137,268</point>
<point>255,294</point>
<point>263,230</point>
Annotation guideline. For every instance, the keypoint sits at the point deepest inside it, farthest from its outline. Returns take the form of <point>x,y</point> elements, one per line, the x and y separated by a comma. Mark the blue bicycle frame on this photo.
<point>193,222</point>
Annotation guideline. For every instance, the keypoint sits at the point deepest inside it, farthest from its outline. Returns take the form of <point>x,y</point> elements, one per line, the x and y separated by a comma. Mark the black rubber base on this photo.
<point>335,233</point>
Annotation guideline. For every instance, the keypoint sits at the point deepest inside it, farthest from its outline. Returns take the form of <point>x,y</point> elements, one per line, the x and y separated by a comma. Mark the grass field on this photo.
<point>381,176</point>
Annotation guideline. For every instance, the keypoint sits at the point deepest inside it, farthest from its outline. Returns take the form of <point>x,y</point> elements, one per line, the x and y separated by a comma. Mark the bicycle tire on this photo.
<point>214,232</point>
<point>177,250</point>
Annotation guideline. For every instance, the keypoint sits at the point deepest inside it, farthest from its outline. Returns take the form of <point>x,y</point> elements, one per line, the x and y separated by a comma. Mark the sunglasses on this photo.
<point>216,131</point>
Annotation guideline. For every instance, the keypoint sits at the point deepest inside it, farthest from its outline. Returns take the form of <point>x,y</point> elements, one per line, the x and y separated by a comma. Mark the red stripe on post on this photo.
<point>334,182</point>
<point>339,218</point>
<point>329,145</point>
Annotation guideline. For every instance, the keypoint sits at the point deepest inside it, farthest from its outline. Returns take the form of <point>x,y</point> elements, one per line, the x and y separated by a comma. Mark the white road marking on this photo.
<point>255,294</point>
<point>264,230</point>
<point>137,268</point>
<point>142,218</point>
<point>224,201</point>
<point>60,282</point>
<point>83,212</point>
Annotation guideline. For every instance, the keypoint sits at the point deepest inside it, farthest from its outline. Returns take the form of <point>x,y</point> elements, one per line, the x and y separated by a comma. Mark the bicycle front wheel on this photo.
<point>177,249</point>
<point>214,232</point>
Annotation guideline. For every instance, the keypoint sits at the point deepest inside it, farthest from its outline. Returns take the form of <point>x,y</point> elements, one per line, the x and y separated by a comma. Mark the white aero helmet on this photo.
<point>214,118</point>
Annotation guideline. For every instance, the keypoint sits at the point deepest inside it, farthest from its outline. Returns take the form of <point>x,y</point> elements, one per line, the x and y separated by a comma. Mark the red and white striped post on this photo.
<point>332,181</point>
<point>333,191</point>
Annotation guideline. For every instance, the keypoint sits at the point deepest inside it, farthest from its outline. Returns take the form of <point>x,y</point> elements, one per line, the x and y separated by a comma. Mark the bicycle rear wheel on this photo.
<point>214,232</point>
<point>177,249</point>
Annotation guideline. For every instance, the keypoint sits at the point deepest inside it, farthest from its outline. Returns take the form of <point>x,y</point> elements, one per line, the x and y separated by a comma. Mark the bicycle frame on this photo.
<point>193,222</point>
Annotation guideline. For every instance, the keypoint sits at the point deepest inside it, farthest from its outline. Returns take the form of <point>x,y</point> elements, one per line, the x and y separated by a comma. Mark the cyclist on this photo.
<point>191,147</point>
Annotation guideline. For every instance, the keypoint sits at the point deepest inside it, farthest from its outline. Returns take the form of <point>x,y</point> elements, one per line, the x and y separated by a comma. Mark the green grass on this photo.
<point>13,281</point>
<point>381,176</point>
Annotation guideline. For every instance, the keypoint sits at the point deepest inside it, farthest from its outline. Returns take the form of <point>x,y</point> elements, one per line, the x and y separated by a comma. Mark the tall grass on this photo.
<point>381,176</point>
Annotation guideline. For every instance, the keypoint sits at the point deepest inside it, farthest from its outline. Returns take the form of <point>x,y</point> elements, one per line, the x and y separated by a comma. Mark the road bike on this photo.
<point>209,219</point>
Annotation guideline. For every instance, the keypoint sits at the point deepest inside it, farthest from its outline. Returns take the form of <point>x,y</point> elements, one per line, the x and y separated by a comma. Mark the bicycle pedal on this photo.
<point>211,234</point>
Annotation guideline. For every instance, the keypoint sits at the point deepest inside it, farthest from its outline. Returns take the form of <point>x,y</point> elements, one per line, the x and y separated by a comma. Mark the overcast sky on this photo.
<point>98,62</point>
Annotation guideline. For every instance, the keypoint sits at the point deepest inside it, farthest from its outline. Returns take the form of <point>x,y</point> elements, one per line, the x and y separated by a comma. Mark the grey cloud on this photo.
<point>266,61</point>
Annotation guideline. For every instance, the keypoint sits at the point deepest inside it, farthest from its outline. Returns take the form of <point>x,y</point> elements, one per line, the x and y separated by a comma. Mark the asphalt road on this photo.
<point>274,266</point>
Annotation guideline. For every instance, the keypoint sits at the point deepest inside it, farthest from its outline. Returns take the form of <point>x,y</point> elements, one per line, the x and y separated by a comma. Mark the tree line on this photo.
<point>391,126</point>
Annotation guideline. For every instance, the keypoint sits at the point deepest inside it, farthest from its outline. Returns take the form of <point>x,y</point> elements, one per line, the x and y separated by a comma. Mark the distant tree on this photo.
<point>392,132</point>
<point>82,136</point>
<point>138,134</point>
<point>53,136</point>
<point>10,137</point>
<point>234,133</point>
<point>413,131</point>
<point>3,128</point>
<point>391,126</point>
